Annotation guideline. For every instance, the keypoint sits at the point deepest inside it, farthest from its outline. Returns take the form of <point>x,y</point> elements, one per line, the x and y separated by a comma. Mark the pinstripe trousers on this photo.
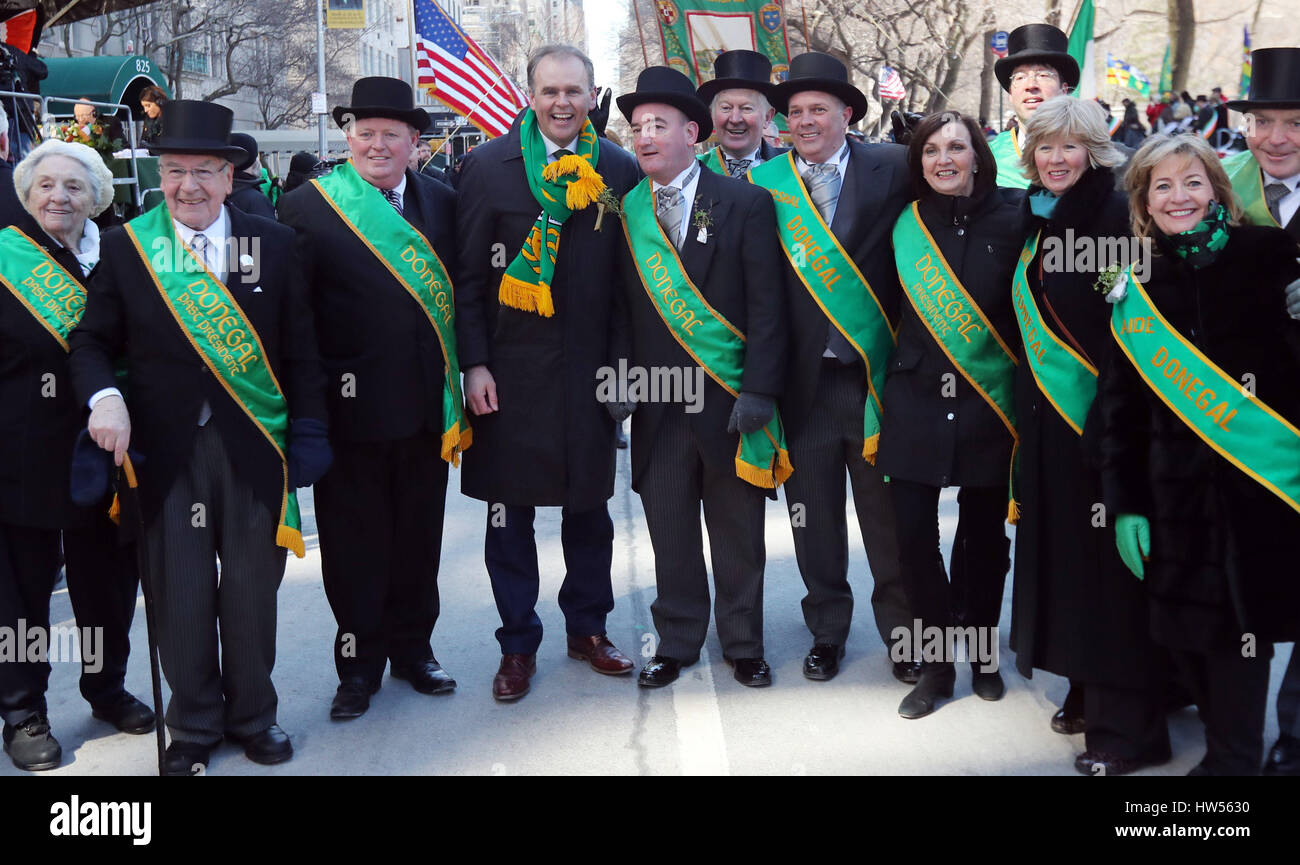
<point>676,482</point>
<point>216,631</point>
<point>828,444</point>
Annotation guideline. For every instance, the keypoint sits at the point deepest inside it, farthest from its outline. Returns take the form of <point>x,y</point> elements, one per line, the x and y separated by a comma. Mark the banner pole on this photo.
<point>636,9</point>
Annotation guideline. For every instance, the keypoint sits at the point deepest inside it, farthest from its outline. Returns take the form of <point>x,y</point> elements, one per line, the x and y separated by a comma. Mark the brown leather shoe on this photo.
<point>603,656</point>
<point>512,676</point>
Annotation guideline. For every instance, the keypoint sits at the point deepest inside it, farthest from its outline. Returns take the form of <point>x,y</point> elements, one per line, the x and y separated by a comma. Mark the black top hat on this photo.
<point>249,145</point>
<point>1274,80</point>
<point>815,71</point>
<point>379,96</point>
<point>666,85</point>
<point>190,126</point>
<point>741,69</point>
<point>1037,43</point>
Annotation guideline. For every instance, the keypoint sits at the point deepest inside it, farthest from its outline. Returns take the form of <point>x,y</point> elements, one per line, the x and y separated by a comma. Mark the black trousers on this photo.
<point>510,553</point>
<point>827,446</point>
<point>676,483</point>
<point>216,632</point>
<point>29,565</point>
<point>379,511</point>
<point>1288,698</point>
<point>979,558</point>
<point>103,581</point>
<point>1231,693</point>
<point>1127,722</point>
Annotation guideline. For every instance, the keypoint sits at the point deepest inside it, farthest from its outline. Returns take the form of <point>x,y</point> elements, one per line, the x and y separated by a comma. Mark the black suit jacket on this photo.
<point>875,190</point>
<point>551,442</point>
<point>168,382</point>
<point>739,272</point>
<point>248,196</point>
<point>11,209</point>
<point>382,358</point>
<point>39,416</point>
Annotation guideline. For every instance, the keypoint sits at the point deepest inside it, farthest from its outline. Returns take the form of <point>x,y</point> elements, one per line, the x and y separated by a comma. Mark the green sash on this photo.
<point>713,159</point>
<point>1067,380</point>
<point>52,295</point>
<point>410,258</point>
<point>216,326</point>
<point>1006,151</point>
<point>569,183</point>
<point>1215,406</point>
<point>714,343</point>
<point>833,280</point>
<point>1247,181</point>
<point>958,325</point>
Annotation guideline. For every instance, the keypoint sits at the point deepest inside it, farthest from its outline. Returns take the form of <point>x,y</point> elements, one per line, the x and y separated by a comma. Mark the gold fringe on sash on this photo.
<point>870,447</point>
<point>454,441</point>
<point>291,539</point>
<point>769,478</point>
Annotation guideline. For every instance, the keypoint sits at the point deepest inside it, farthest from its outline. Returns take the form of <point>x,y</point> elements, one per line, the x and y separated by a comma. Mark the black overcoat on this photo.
<point>550,443</point>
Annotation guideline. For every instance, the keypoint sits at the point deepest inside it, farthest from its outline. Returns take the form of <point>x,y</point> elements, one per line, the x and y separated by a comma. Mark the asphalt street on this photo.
<point>577,722</point>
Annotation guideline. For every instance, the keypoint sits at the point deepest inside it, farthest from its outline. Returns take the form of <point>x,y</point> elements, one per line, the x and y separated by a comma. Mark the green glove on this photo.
<point>1133,538</point>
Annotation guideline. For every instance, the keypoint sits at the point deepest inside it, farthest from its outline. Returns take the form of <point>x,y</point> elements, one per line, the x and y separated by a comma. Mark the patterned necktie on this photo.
<point>669,204</point>
<point>1273,195</point>
<point>738,167</point>
<point>199,245</point>
<point>393,199</point>
<point>823,182</point>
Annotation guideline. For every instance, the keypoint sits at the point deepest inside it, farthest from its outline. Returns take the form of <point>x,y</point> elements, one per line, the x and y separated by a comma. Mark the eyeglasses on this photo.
<point>1039,75</point>
<point>202,175</point>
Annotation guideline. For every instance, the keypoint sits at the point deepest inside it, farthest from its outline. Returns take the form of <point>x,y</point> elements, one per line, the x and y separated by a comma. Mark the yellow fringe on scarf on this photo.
<point>587,186</point>
<point>768,479</point>
<point>526,296</point>
<point>870,447</point>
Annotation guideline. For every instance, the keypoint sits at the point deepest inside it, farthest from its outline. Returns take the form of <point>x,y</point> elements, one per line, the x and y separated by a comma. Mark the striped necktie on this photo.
<point>393,199</point>
<point>1273,195</point>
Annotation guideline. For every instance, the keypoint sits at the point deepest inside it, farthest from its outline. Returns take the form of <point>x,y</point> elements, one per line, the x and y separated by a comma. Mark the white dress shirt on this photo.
<point>688,196</point>
<point>551,147</point>
<point>1289,203</point>
<point>841,163</point>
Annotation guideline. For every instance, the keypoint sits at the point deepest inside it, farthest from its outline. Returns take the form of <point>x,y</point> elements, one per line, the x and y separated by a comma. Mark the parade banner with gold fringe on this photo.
<point>52,295</point>
<point>694,32</point>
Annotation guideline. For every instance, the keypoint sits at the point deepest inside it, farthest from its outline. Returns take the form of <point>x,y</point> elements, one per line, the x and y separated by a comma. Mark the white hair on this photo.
<point>763,102</point>
<point>97,173</point>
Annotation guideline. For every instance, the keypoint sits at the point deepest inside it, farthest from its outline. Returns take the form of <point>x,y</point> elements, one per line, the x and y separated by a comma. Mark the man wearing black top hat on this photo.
<point>739,100</point>
<point>247,194</point>
<point>718,237</point>
<point>1266,178</point>
<point>535,322</point>
<point>227,416</point>
<point>858,190</point>
<point>390,363</point>
<point>1036,68</point>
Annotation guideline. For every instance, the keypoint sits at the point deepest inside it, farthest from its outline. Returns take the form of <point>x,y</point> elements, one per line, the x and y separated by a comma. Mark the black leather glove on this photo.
<point>309,451</point>
<point>599,116</point>
<point>902,123</point>
<point>751,413</point>
<point>620,411</point>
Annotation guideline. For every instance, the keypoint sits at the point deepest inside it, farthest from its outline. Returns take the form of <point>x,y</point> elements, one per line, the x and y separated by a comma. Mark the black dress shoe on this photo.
<point>31,746</point>
<point>823,662</point>
<point>352,699</point>
<point>907,672</point>
<point>934,685</point>
<point>126,713</point>
<point>1104,763</point>
<point>186,758</point>
<point>987,686</point>
<point>427,677</point>
<point>1284,757</point>
<point>268,747</point>
<point>659,671</point>
<point>1068,725</point>
<point>752,672</point>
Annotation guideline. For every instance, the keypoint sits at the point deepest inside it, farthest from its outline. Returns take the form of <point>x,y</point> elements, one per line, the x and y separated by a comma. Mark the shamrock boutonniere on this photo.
<point>1113,282</point>
<point>607,201</point>
<point>702,219</point>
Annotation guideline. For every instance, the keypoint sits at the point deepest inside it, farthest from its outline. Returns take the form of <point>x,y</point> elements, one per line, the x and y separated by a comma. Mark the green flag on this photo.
<point>1167,73</point>
<point>694,32</point>
<point>1080,49</point>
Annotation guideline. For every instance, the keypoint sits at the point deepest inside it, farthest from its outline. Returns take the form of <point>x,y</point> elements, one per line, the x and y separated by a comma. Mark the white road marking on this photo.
<point>701,746</point>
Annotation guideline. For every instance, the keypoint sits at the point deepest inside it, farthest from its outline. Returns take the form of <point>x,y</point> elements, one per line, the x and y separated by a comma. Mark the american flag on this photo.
<point>461,75</point>
<point>891,85</point>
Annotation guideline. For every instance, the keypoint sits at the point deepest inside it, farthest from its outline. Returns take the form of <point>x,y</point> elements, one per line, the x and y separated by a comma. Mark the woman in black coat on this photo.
<point>61,185</point>
<point>937,429</point>
<point>1076,610</point>
<point>1214,546</point>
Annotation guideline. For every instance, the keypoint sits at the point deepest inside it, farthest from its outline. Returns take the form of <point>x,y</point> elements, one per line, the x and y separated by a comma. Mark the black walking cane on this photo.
<point>146,584</point>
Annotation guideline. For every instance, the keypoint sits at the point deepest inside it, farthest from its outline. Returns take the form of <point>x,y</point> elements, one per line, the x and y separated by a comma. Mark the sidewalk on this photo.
<point>578,722</point>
